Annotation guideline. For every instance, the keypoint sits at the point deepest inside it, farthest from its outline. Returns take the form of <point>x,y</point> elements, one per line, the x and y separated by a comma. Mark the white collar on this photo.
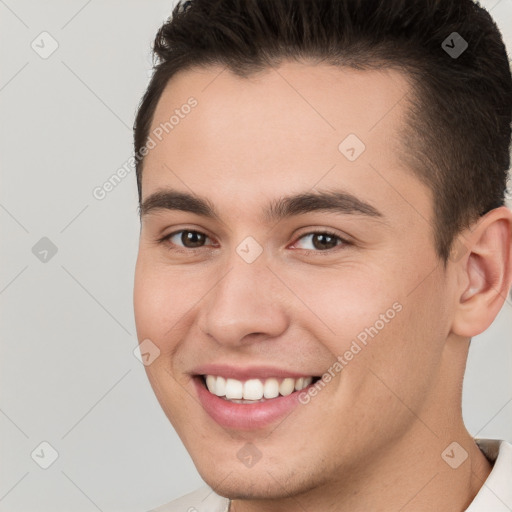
<point>496,493</point>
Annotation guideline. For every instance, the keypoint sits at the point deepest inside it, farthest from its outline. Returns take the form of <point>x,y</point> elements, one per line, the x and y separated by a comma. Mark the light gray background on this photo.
<point>68,373</point>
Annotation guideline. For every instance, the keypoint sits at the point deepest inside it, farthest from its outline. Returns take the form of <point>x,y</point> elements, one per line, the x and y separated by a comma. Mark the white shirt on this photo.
<point>495,494</point>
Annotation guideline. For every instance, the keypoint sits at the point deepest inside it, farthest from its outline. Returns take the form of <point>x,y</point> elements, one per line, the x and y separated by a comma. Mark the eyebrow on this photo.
<point>335,201</point>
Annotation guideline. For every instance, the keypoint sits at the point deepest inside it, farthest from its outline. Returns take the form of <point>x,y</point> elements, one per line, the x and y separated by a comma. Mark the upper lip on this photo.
<point>248,372</point>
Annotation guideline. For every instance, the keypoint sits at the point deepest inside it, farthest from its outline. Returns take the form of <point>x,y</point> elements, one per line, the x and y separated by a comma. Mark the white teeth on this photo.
<point>234,389</point>
<point>220,385</point>
<point>211,383</point>
<point>287,387</point>
<point>254,390</point>
<point>271,388</point>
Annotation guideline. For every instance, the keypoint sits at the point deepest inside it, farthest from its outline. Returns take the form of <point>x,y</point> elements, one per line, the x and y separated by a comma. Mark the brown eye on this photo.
<point>324,241</point>
<point>187,239</point>
<point>192,239</point>
<point>320,241</point>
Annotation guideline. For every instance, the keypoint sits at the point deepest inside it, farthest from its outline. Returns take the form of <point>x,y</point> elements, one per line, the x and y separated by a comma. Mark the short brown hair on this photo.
<point>459,124</point>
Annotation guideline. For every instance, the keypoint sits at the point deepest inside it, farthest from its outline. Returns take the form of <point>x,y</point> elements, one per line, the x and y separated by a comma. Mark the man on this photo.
<point>323,231</point>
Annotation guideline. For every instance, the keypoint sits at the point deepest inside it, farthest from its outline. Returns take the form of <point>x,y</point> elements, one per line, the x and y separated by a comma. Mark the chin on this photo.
<point>263,481</point>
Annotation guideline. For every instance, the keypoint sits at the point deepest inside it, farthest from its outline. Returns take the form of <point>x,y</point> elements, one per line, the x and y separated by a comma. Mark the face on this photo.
<point>278,249</point>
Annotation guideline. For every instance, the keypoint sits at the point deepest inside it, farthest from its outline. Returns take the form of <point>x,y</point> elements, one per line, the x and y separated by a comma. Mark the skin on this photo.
<point>372,438</point>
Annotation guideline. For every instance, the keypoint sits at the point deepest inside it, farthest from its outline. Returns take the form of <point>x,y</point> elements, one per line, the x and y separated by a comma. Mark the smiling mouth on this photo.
<point>253,391</point>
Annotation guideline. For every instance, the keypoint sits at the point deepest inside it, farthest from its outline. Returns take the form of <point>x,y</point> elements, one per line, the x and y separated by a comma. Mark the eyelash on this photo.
<point>166,240</point>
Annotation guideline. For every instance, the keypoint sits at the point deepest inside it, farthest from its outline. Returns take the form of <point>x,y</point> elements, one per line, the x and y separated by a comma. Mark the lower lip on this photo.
<point>246,416</point>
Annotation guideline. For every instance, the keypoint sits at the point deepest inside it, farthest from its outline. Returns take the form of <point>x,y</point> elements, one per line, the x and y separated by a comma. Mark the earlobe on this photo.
<point>487,273</point>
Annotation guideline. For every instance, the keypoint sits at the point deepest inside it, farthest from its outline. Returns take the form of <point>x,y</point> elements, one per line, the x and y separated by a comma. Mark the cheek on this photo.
<point>163,296</point>
<point>401,362</point>
<point>376,317</point>
<point>349,302</point>
<point>160,304</point>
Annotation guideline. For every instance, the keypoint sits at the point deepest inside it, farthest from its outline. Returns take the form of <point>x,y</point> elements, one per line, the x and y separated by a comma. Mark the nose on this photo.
<point>247,304</point>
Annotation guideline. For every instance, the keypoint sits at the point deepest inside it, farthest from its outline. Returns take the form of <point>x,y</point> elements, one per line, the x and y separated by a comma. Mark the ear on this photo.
<point>485,272</point>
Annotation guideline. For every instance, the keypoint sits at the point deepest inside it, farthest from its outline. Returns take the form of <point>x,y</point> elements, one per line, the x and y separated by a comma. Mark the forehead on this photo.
<point>286,129</point>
